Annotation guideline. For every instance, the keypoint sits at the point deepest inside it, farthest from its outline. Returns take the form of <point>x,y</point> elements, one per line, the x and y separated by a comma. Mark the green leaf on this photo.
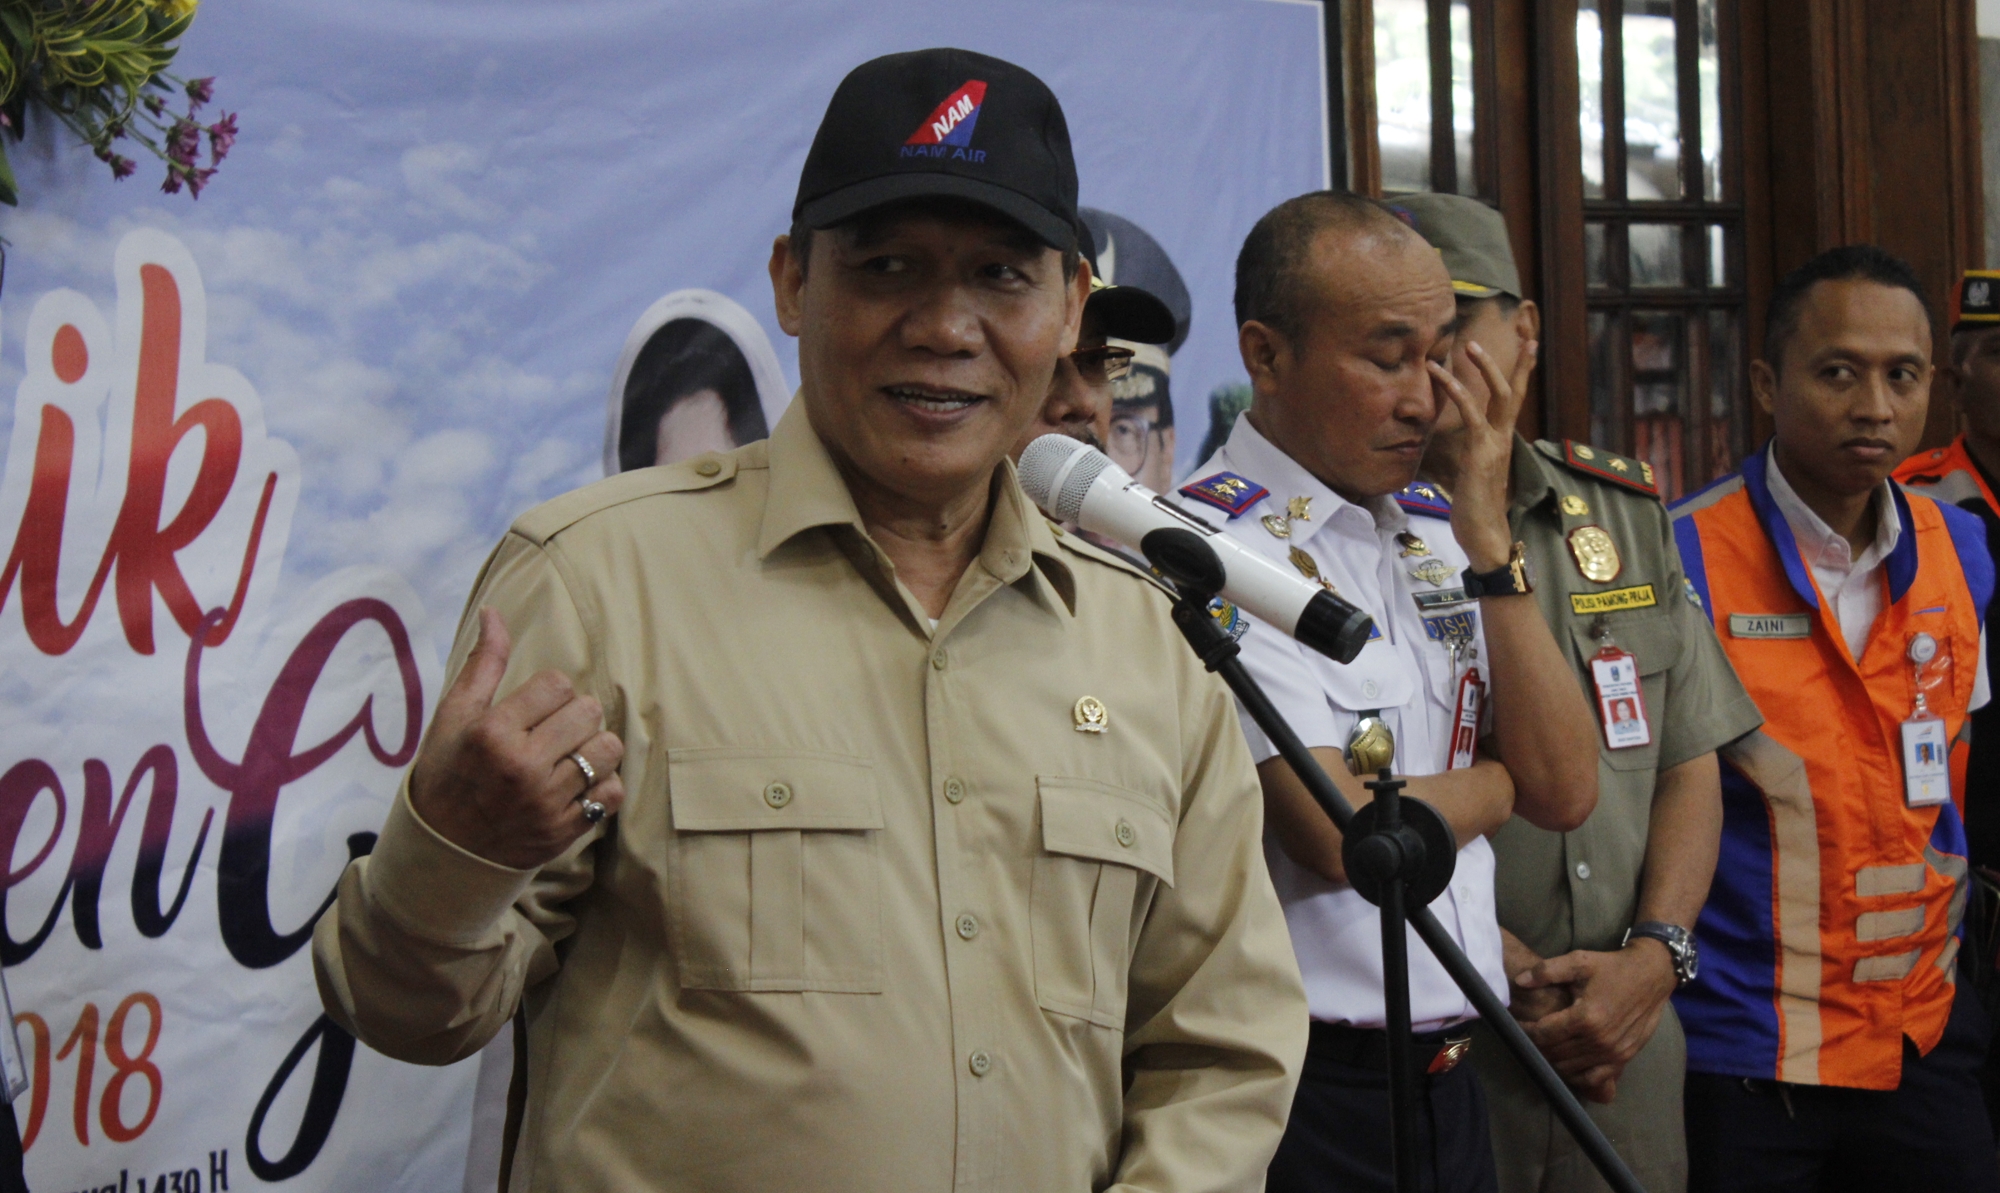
<point>9,193</point>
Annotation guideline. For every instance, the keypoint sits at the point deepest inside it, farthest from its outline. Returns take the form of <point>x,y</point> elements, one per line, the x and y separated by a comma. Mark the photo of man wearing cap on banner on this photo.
<point>815,813</point>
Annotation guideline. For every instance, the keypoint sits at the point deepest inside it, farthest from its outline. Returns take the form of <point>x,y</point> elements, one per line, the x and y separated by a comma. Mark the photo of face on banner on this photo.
<point>1142,418</point>
<point>697,375</point>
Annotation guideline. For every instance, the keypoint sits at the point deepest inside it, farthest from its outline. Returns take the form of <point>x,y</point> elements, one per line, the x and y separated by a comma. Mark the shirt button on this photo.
<point>1583,869</point>
<point>708,467</point>
<point>979,1062</point>
<point>939,660</point>
<point>778,794</point>
<point>1371,689</point>
<point>1125,833</point>
<point>954,790</point>
<point>968,926</point>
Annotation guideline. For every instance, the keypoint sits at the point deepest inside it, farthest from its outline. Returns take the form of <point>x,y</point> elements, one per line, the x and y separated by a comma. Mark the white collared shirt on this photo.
<point>1407,675</point>
<point>1852,585</point>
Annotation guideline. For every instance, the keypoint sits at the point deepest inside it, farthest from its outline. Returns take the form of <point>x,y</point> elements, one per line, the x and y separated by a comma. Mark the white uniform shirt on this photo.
<point>1852,584</point>
<point>1406,674</point>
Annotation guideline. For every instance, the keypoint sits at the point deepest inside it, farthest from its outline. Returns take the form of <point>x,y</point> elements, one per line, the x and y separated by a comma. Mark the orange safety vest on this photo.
<point>1947,474</point>
<point>1833,924</point>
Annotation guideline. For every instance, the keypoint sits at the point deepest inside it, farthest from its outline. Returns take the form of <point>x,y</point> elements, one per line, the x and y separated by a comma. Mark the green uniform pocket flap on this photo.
<point>1088,819</point>
<point>731,790</point>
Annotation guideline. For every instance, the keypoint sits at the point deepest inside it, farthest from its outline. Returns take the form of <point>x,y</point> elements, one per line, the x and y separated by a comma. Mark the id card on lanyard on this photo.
<point>1620,704</point>
<point>1926,752</point>
<point>1465,721</point>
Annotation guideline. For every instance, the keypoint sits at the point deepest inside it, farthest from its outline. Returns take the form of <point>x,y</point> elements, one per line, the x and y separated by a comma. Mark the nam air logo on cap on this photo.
<point>947,132</point>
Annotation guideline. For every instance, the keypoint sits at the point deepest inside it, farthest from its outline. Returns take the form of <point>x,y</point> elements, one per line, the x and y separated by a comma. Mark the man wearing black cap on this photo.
<point>839,824</point>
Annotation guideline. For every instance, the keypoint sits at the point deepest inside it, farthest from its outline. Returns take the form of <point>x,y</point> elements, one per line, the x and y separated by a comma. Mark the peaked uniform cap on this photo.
<point>1472,239</point>
<point>942,123</point>
<point>1975,300</point>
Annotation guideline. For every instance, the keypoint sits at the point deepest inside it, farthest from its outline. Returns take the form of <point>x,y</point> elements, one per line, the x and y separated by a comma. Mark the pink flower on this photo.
<point>155,105</point>
<point>123,167</point>
<point>172,185</point>
<point>198,179</point>
<point>200,91</point>
<point>221,138</point>
<point>183,141</point>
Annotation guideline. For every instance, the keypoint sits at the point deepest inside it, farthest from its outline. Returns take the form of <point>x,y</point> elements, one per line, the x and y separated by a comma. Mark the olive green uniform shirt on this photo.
<point>876,914</point>
<point>1580,889</point>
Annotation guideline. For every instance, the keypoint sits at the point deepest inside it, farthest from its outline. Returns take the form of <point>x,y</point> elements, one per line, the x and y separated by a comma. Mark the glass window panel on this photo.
<point>1708,60</point>
<point>1590,93</point>
<point>1726,413</point>
<point>1403,93</point>
<point>1461,95</point>
<point>1655,254</point>
<point>1718,258</point>
<point>1659,376</point>
<point>1596,263</point>
<point>1652,101</point>
<point>1606,355</point>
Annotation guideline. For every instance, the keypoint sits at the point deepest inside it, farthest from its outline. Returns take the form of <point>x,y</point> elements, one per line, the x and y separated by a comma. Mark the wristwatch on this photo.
<point>1509,579</point>
<point>1679,942</point>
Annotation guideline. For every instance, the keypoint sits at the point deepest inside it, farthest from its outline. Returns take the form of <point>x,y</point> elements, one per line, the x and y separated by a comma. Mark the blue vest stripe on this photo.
<point>1687,537</point>
<point>1975,556</point>
<point>1728,1013</point>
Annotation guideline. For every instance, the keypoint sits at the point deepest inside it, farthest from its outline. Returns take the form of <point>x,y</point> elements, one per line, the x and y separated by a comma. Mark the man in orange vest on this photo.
<point>1826,1049</point>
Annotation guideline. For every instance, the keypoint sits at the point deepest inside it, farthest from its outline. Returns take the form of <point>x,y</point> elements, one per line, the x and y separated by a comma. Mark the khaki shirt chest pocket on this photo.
<point>776,873</point>
<point>1656,645</point>
<point>1104,849</point>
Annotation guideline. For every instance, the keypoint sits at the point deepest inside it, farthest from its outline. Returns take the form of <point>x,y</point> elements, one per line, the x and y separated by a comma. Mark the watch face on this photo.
<point>1690,959</point>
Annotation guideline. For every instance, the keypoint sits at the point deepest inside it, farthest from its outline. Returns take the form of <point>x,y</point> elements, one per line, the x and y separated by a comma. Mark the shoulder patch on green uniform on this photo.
<point>1598,464</point>
<point>552,517</point>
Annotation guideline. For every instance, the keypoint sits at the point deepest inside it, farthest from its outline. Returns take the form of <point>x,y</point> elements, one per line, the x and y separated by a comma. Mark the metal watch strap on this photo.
<point>1678,940</point>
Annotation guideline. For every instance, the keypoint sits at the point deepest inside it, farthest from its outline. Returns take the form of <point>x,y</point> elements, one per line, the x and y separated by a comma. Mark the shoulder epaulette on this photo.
<point>1636,475</point>
<point>1226,491</point>
<point>1422,497</point>
<point>557,514</point>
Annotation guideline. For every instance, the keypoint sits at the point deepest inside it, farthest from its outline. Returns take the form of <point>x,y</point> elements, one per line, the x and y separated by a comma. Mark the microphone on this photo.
<point>1075,482</point>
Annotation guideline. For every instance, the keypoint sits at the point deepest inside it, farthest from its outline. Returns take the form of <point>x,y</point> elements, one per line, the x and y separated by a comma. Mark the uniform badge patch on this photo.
<point>1633,474</point>
<point>1409,544</point>
<point>1433,572</point>
<point>1694,598</point>
<point>1422,497</point>
<point>1595,554</point>
<point>1229,617</point>
<point>1227,492</point>
<point>1090,715</point>
<point>1279,526</point>
<point>1574,506</point>
<point>1639,596</point>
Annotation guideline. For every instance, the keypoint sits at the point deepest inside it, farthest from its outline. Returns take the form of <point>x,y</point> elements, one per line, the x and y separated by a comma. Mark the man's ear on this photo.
<point>1764,384</point>
<point>1266,354</point>
<point>1528,320</point>
<point>788,285</point>
<point>1079,294</point>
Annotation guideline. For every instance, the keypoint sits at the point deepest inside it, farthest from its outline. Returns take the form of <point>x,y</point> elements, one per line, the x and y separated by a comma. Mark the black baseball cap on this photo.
<point>942,123</point>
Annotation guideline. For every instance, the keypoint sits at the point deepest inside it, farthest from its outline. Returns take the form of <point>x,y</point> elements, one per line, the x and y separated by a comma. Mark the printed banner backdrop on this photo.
<point>261,442</point>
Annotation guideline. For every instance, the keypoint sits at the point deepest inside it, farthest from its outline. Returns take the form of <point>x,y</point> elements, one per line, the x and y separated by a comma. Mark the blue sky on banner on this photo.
<point>441,219</point>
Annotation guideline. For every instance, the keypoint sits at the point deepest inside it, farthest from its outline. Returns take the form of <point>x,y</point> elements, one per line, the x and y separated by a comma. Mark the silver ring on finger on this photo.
<point>589,771</point>
<point>593,811</point>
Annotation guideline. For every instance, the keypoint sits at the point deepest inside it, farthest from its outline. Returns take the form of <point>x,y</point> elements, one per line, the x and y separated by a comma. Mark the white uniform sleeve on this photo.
<point>1278,665</point>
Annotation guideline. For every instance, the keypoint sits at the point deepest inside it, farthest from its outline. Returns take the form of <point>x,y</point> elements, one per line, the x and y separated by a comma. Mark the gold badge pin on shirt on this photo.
<point>1279,526</point>
<point>1090,715</point>
<point>1596,555</point>
<point>1432,571</point>
<point>1309,568</point>
<point>1575,507</point>
<point>1299,509</point>
<point>1409,544</point>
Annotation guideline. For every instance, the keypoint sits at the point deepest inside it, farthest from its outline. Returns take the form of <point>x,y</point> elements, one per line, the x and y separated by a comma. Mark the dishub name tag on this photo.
<point>1770,625</point>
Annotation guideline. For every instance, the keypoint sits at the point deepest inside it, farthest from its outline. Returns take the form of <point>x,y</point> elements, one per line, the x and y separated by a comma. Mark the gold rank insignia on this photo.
<point>1308,567</point>
<point>1584,453</point>
<point>1281,527</point>
<point>1299,508</point>
<point>1596,555</point>
<point>1432,571</point>
<point>1410,544</point>
<point>1090,715</point>
<point>1575,507</point>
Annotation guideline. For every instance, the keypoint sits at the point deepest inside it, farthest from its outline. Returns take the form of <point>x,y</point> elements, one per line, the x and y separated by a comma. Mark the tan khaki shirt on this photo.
<point>1580,889</point>
<point>876,915</point>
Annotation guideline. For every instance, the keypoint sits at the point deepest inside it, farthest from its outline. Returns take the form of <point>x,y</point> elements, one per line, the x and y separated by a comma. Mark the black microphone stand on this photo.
<point>1399,854</point>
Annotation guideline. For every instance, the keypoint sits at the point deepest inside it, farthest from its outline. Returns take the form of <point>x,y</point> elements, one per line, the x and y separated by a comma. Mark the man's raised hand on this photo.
<point>498,780</point>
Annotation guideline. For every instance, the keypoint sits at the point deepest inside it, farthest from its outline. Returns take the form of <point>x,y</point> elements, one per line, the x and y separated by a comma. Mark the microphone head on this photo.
<point>1056,471</point>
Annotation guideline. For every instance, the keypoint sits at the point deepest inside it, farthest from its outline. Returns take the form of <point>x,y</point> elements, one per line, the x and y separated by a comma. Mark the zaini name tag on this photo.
<point>1639,596</point>
<point>1770,625</point>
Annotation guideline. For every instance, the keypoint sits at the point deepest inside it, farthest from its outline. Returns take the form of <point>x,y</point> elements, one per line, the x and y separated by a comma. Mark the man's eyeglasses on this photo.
<point>1102,364</point>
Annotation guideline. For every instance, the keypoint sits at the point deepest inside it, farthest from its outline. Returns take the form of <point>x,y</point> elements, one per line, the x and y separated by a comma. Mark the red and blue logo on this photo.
<point>947,131</point>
